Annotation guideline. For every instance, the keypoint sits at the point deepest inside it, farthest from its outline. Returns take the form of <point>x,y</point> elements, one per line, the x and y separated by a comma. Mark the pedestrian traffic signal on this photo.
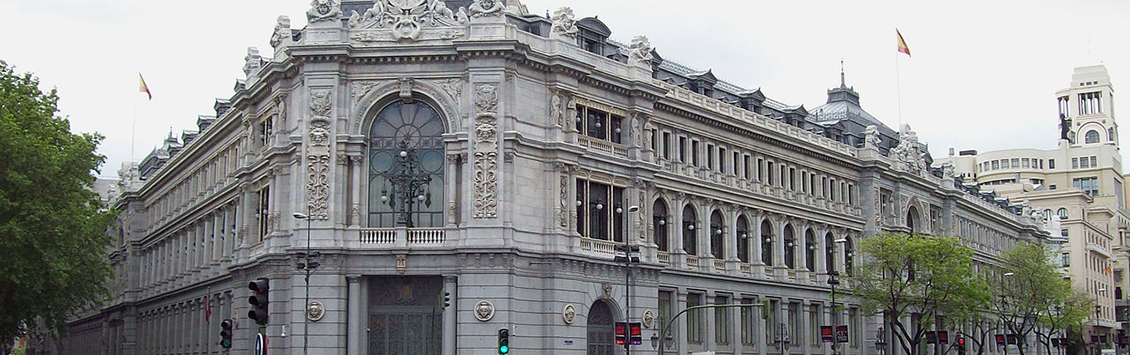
<point>225,334</point>
<point>635,333</point>
<point>259,300</point>
<point>503,341</point>
<point>621,333</point>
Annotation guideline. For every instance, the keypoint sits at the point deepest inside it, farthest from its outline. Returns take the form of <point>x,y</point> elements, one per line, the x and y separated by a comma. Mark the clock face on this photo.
<point>406,4</point>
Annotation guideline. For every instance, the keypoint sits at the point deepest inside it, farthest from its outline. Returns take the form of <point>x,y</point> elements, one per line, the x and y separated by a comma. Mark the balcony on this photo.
<point>401,237</point>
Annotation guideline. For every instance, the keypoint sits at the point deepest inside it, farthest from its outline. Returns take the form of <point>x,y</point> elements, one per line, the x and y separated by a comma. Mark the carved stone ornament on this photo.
<point>564,23</point>
<point>607,288</point>
<point>563,208</point>
<point>318,186</point>
<point>315,311</point>
<point>648,318</point>
<point>486,152</point>
<point>640,50</point>
<point>556,110</point>
<point>948,171</point>
<point>907,156</point>
<point>484,311</point>
<point>318,155</point>
<point>323,10</point>
<point>406,19</point>
<point>569,314</point>
<point>482,8</point>
<point>281,35</point>
<point>320,102</point>
<point>252,61</point>
<point>872,140</point>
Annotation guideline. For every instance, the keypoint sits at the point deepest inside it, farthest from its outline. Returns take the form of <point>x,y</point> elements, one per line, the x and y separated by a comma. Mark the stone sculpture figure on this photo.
<point>871,137</point>
<point>323,10</point>
<point>640,49</point>
<point>480,8</point>
<point>564,23</point>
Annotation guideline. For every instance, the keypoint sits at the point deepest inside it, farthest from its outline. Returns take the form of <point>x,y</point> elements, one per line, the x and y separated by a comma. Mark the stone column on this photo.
<point>681,338</point>
<point>354,314</point>
<point>356,163</point>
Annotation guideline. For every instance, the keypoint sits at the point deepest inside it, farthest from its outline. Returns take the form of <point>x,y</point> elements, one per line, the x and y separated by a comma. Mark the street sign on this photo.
<point>826,334</point>
<point>260,344</point>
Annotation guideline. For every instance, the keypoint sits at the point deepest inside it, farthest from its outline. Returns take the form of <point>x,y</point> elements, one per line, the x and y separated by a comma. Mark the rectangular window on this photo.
<point>1094,161</point>
<point>792,179</point>
<point>1065,260</point>
<point>694,319</point>
<point>1063,232</point>
<point>745,163</point>
<point>855,328</point>
<point>682,149</point>
<point>722,321</point>
<point>760,175</point>
<point>748,323</point>
<point>263,212</point>
<point>1051,163</point>
<point>722,160</point>
<point>654,139</point>
<point>1075,163</point>
<point>1089,185</point>
<point>771,328</point>
<point>736,160</point>
<point>796,330</point>
<point>665,307</point>
<point>996,164</point>
<point>666,145</point>
<point>814,324</point>
<point>1025,163</point>
<point>710,156</point>
<point>694,153</point>
<point>1015,163</point>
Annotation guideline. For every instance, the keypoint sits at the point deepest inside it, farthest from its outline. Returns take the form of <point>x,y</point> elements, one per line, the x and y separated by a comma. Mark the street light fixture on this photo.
<point>306,262</point>
<point>833,281</point>
<point>628,260</point>
<point>409,185</point>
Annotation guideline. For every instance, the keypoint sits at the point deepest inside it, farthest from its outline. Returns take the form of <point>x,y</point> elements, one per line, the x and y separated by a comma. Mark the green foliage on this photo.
<point>53,228</point>
<point>1032,296</point>
<point>922,277</point>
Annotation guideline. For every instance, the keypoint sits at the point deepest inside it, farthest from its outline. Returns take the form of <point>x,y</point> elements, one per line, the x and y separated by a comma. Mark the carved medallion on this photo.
<point>315,311</point>
<point>484,310</point>
<point>648,318</point>
<point>569,313</point>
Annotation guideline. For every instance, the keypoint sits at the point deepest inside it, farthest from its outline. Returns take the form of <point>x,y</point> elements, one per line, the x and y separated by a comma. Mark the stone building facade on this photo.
<point>486,158</point>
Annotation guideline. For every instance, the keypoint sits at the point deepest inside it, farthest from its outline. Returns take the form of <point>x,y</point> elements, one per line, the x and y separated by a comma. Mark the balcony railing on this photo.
<point>408,236</point>
<point>599,247</point>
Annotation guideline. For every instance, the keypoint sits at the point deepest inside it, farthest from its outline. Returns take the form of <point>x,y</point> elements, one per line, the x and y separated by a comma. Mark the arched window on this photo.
<point>766,242</point>
<point>1062,212</point>
<point>717,230</point>
<point>690,242</point>
<point>406,161</point>
<point>742,232</point>
<point>790,247</point>
<point>912,219</point>
<point>659,224</point>
<point>1091,136</point>
<point>810,250</point>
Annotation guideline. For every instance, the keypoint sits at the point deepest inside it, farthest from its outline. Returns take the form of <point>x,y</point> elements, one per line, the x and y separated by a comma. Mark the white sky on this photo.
<point>983,75</point>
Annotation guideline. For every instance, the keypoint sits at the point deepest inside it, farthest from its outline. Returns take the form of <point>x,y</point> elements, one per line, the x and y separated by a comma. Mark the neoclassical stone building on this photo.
<point>471,153</point>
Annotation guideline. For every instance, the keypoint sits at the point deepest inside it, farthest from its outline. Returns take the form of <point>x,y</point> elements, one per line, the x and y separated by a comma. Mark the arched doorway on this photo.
<point>601,337</point>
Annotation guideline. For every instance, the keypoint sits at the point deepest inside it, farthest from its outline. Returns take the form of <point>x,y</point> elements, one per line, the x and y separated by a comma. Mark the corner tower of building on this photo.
<point>1086,108</point>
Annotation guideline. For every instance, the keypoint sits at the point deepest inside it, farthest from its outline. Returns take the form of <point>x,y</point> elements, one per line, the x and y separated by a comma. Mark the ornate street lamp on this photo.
<point>409,185</point>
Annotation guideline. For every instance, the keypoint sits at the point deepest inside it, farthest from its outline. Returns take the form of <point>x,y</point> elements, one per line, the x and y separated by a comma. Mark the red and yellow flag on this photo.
<point>902,43</point>
<point>144,88</point>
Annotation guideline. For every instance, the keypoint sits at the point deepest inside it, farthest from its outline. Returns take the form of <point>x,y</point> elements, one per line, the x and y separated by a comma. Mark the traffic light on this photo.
<point>960,346</point>
<point>225,334</point>
<point>446,299</point>
<point>503,341</point>
<point>259,300</point>
<point>621,333</point>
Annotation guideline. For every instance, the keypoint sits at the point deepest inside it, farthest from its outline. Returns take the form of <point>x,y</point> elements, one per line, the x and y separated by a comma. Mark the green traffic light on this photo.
<point>226,344</point>
<point>504,349</point>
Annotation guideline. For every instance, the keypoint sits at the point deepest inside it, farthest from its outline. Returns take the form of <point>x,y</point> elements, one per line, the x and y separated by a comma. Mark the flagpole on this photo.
<point>133,130</point>
<point>898,88</point>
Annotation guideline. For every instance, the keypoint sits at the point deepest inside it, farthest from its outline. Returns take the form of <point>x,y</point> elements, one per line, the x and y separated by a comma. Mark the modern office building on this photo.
<point>467,168</point>
<point>1080,189</point>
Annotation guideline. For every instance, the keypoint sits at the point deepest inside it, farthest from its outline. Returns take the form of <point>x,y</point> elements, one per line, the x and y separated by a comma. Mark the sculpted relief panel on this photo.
<point>486,151</point>
<point>318,155</point>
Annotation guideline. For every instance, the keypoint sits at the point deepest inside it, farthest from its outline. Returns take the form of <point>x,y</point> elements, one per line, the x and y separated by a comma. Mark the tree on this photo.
<point>1032,296</point>
<point>53,226</point>
<point>918,283</point>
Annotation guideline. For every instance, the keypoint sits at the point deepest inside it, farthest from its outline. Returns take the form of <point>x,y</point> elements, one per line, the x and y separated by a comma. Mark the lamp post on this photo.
<point>408,185</point>
<point>628,260</point>
<point>833,281</point>
<point>306,263</point>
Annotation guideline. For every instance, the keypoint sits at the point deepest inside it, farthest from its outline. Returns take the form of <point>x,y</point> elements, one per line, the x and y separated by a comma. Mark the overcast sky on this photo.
<point>983,73</point>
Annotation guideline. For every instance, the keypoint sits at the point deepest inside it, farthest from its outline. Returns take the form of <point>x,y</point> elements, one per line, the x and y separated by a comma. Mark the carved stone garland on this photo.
<point>486,151</point>
<point>318,155</point>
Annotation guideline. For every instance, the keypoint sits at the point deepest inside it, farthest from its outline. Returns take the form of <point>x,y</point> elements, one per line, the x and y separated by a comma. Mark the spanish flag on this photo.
<point>902,43</point>
<point>143,88</point>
